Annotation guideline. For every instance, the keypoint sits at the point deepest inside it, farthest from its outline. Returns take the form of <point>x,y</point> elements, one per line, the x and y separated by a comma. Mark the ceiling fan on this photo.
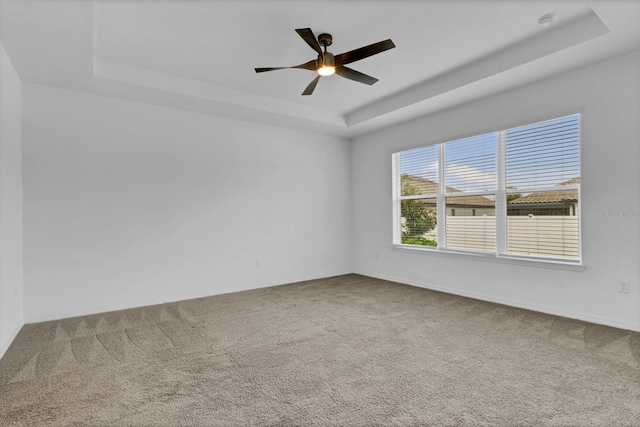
<point>327,64</point>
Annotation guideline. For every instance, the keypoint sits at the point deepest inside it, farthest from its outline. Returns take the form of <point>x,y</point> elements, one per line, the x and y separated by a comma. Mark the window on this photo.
<point>512,193</point>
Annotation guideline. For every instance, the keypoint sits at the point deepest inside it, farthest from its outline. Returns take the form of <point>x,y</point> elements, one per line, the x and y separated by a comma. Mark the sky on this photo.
<point>540,154</point>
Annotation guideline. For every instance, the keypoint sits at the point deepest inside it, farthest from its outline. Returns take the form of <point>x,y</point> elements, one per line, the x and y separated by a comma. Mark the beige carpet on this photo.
<point>344,351</point>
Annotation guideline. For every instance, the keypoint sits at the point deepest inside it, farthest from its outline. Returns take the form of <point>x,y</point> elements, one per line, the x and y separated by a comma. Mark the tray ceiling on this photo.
<point>200,55</point>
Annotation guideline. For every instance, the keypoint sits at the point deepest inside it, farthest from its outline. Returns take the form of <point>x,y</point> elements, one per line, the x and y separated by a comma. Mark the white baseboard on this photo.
<point>533,307</point>
<point>4,346</point>
<point>123,305</point>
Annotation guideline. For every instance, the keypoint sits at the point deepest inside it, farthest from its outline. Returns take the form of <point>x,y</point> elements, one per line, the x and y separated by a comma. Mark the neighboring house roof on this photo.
<point>421,185</point>
<point>572,181</point>
<point>548,197</point>
<point>426,186</point>
<point>551,196</point>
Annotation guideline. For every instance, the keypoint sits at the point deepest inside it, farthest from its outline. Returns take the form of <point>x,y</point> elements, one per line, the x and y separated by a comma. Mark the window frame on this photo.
<point>501,192</point>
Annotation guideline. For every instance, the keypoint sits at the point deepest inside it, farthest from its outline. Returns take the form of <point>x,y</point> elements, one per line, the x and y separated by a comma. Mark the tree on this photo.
<point>418,219</point>
<point>513,196</point>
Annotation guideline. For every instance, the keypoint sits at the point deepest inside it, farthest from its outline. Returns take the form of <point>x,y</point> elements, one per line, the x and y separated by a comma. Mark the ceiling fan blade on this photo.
<point>357,76</point>
<point>307,35</point>
<point>364,52</point>
<point>262,70</point>
<point>312,86</point>
<point>311,65</point>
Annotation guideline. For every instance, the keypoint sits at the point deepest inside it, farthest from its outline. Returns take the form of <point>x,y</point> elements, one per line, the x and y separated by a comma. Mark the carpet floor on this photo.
<point>342,351</point>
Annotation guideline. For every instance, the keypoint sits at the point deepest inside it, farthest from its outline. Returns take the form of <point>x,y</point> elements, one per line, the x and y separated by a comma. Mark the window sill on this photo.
<point>491,257</point>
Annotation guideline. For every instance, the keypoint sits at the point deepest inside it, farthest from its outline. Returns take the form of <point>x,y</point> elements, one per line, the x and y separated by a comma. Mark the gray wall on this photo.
<point>129,204</point>
<point>11,313</point>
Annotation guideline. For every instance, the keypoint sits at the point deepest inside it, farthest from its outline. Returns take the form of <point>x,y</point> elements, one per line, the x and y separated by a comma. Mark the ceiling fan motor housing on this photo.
<point>325,39</point>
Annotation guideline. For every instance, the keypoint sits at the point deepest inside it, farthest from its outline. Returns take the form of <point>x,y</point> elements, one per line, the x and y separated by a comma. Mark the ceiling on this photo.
<point>200,55</point>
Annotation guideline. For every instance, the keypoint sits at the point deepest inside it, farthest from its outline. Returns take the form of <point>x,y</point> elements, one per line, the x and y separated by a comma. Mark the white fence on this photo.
<point>471,232</point>
<point>536,235</point>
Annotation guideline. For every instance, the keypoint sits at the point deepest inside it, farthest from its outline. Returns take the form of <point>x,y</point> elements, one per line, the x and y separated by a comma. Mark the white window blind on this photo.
<point>543,154</point>
<point>470,167</point>
<point>418,187</point>
<point>421,165</point>
<point>512,193</point>
<point>470,164</point>
<point>543,182</point>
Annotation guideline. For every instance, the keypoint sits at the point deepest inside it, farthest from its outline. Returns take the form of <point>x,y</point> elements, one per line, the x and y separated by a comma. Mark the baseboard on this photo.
<point>124,305</point>
<point>4,346</point>
<point>153,301</point>
<point>533,307</point>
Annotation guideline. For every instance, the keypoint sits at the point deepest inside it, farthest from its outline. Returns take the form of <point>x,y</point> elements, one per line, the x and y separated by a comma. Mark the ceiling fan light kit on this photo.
<point>327,64</point>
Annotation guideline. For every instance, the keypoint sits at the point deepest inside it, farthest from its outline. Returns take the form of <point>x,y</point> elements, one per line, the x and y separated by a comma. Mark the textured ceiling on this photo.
<point>200,55</point>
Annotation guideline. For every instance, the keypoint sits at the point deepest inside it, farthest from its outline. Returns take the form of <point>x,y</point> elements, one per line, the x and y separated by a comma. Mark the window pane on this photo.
<point>543,154</point>
<point>471,164</point>
<point>471,223</point>
<point>419,222</point>
<point>544,223</point>
<point>419,171</point>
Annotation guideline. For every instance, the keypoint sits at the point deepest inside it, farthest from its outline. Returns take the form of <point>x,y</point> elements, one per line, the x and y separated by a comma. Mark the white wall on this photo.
<point>129,204</point>
<point>11,313</point>
<point>609,94</point>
